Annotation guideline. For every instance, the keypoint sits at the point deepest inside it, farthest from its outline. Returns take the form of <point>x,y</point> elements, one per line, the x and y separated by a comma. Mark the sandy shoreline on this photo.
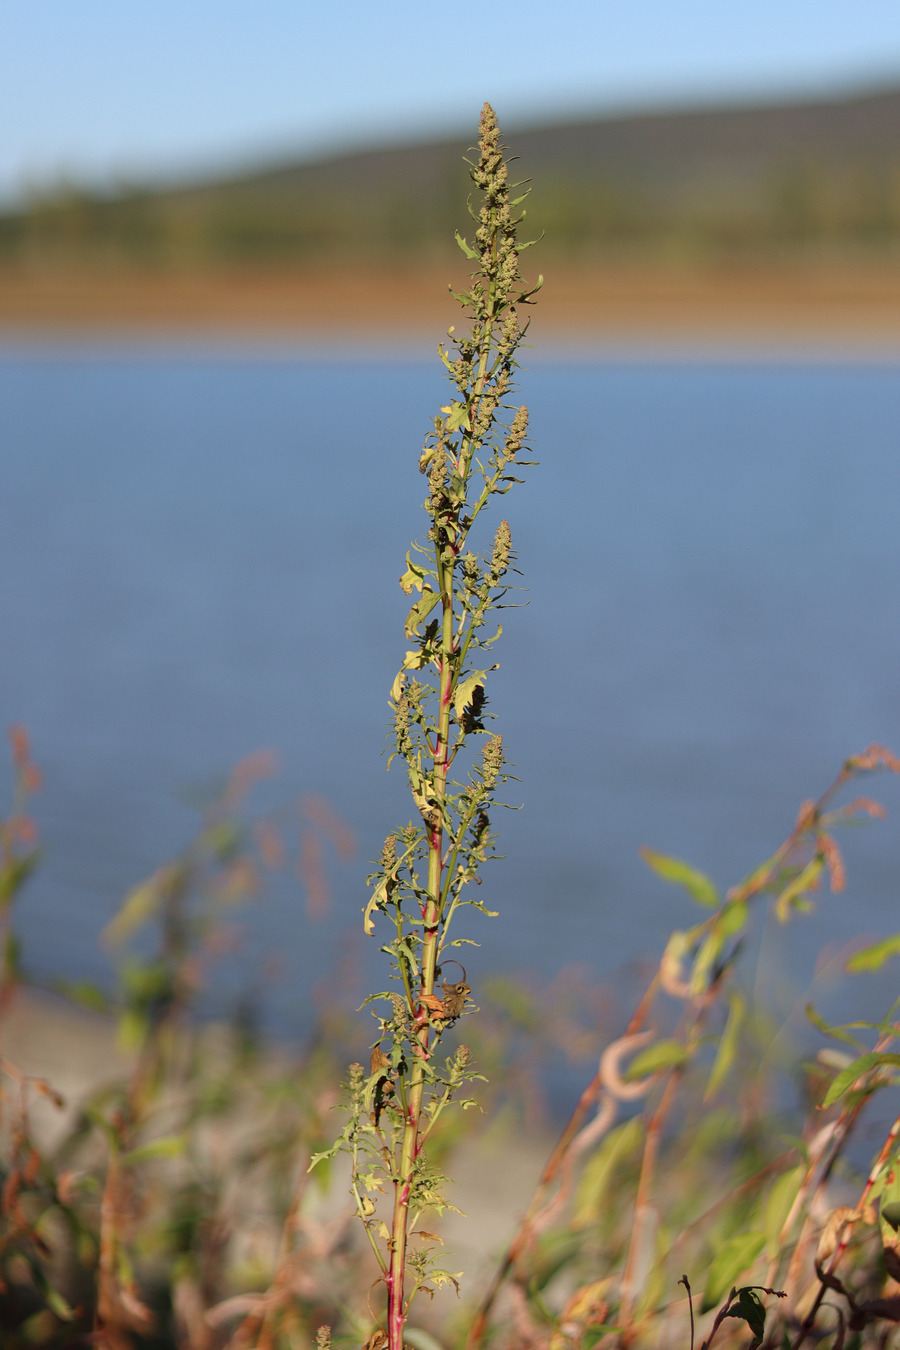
<point>74,1051</point>
<point>816,308</point>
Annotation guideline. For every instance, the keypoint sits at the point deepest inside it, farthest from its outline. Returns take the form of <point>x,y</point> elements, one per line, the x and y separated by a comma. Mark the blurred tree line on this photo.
<point>755,181</point>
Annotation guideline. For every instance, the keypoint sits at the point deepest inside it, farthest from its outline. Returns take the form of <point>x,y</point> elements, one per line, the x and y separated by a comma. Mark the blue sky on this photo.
<point>95,89</point>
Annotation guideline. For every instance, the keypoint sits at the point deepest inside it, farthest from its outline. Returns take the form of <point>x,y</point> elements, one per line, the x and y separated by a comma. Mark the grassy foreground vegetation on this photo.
<point>194,1202</point>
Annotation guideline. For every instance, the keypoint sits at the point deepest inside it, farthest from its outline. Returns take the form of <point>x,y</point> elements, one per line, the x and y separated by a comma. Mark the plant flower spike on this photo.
<point>430,868</point>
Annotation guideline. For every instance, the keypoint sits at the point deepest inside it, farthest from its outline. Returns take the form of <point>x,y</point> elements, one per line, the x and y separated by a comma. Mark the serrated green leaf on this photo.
<point>420,611</point>
<point>874,957</point>
<point>457,416</point>
<point>734,1257</point>
<point>470,253</point>
<point>698,885</point>
<point>749,1307</point>
<point>466,688</point>
<point>413,577</point>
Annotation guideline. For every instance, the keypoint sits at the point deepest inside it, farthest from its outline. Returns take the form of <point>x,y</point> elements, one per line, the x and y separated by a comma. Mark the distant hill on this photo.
<point>754,179</point>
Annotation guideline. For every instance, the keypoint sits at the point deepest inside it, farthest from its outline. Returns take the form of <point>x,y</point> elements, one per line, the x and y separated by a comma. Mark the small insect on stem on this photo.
<point>454,996</point>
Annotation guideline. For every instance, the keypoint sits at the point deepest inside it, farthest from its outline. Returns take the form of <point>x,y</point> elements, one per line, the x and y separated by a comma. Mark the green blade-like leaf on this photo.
<point>847,1077</point>
<point>794,892</point>
<point>611,1160</point>
<point>781,1197</point>
<point>169,1147</point>
<point>662,1055</point>
<point>874,957</point>
<point>837,1033</point>
<point>698,885</point>
<point>734,1257</point>
<point>728,1043</point>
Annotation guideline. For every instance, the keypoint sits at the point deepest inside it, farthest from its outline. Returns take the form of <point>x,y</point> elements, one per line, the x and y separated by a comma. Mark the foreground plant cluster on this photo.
<point>193,1201</point>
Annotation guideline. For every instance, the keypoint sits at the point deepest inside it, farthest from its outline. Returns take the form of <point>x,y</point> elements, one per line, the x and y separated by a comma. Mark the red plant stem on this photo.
<point>552,1169</point>
<point>847,1229</point>
<point>642,1199</point>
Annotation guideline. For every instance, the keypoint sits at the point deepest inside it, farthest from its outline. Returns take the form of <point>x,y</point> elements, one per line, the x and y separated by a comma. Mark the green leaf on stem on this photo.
<point>698,885</point>
<point>859,1068</point>
<point>794,894</point>
<point>466,688</point>
<point>728,1043</point>
<point>778,1205</point>
<point>874,957</point>
<point>663,1055</point>
<point>749,1307</point>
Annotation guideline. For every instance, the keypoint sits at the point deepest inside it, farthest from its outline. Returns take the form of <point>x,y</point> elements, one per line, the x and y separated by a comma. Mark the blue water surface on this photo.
<point>199,554</point>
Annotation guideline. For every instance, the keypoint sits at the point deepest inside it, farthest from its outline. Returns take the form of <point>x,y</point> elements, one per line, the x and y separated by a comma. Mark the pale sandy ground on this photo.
<point>847,309</point>
<point>75,1051</point>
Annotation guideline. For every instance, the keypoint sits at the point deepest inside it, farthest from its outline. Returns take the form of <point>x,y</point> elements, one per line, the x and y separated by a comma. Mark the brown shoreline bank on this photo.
<point>74,1051</point>
<point>851,307</point>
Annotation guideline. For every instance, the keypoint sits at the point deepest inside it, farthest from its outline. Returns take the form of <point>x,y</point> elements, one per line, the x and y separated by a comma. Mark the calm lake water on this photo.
<point>200,556</point>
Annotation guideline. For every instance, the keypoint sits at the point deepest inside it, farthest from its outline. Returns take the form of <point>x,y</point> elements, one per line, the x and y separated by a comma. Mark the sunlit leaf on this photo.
<point>420,610</point>
<point>470,253</point>
<point>697,884</point>
<point>466,688</point>
<point>807,879</point>
<point>874,957</point>
<point>847,1077</point>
